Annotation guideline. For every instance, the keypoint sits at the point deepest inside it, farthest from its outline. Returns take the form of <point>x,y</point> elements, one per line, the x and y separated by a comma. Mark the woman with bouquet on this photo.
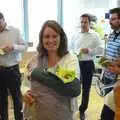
<point>54,76</point>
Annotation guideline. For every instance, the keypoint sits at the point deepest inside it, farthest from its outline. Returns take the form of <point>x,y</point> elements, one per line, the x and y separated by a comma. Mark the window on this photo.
<point>71,12</point>
<point>40,11</point>
<point>12,10</point>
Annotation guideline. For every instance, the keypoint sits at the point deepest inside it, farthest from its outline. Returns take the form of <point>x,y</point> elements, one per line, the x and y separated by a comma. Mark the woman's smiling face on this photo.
<point>51,40</point>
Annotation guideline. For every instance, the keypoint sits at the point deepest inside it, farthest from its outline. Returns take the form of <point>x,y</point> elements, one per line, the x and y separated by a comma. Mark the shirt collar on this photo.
<point>117,31</point>
<point>89,31</point>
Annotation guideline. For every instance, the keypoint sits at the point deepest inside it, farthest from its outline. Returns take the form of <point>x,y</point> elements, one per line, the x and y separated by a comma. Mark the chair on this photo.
<point>99,84</point>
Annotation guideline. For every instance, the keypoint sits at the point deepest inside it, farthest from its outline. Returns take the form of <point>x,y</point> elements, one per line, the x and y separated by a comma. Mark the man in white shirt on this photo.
<point>11,46</point>
<point>87,44</point>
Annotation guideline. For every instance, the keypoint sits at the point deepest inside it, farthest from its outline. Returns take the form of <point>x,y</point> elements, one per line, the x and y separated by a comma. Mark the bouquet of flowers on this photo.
<point>66,75</point>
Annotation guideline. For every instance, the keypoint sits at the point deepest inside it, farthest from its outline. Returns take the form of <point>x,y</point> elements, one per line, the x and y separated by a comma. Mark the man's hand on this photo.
<point>84,50</point>
<point>7,48</point>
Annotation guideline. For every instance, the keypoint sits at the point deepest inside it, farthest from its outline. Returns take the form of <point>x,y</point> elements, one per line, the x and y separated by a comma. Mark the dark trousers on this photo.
<point>107,113</point>
<point>87,69</point>
<point>10,81</point>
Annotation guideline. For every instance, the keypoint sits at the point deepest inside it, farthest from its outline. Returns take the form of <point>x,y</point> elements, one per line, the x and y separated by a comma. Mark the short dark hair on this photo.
<point>115,10</point>
<point>1,16</point>
<point>86,15</point>
<point>62,50</point>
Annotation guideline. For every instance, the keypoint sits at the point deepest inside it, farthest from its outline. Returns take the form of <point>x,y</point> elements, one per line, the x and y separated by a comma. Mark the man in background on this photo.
<point>87,44</point>
<point>112,53</point>
<point>11,46</point>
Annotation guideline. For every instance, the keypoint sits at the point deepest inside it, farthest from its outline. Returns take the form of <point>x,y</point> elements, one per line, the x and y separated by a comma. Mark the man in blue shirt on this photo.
<point>113,53</point>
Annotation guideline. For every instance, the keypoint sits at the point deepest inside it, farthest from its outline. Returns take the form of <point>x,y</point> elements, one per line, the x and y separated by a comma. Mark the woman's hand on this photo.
<point>29,97</point>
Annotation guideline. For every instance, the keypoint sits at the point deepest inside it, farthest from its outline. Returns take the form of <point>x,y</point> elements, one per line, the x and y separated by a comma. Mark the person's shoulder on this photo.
<point>70,56</point>
<point>12,28</point>
<point>94,34</point>
<point>112,33</point>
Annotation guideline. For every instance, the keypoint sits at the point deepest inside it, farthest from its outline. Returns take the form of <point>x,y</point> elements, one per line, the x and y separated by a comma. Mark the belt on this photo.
<point>4,68</point>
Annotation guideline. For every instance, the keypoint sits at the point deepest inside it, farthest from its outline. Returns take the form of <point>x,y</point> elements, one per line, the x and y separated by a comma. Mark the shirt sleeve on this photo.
<point>71,62</point>
<point>98,46</point>
<point>21,45</point>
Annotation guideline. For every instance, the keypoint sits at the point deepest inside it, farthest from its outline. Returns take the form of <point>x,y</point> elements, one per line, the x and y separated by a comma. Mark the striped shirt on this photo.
<point>113,46</point>
<point>112,51</point>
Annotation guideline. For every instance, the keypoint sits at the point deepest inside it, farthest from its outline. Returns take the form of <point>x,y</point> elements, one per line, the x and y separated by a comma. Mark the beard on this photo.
<point>115,27</point>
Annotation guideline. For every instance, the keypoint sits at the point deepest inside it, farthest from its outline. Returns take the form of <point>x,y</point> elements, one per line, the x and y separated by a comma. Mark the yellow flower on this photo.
<point>65,75</point>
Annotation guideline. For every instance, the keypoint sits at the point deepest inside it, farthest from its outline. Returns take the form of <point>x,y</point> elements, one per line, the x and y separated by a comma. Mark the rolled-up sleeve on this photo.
<point>98,46</point>
<point>21,45</point>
